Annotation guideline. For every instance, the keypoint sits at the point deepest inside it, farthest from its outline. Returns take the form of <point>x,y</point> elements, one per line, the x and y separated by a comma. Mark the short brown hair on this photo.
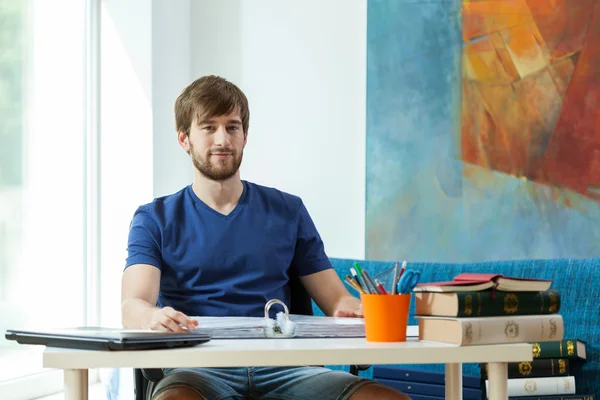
<point>210,96</point>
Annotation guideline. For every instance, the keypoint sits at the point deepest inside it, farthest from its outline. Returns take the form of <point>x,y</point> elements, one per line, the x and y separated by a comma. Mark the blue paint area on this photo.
<point>423,203</point>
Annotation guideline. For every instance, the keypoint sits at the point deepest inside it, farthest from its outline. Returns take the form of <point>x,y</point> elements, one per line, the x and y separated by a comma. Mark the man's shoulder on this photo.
<point>274,193</point>
<point>274,196</point>
<point>163,204</point>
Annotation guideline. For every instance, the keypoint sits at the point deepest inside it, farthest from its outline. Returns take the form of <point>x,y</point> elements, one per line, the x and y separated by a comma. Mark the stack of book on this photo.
<point>551,368</point>
<point>477,309</point>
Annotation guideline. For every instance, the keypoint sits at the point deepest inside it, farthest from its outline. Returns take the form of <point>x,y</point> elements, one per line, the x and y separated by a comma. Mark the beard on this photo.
<point>214,168</point>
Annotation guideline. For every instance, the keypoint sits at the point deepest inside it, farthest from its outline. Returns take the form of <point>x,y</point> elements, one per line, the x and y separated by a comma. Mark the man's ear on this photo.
<point>183,140</point>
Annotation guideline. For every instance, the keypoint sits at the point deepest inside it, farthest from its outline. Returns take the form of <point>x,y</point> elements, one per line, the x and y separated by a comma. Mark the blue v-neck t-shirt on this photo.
<point>226,265</point>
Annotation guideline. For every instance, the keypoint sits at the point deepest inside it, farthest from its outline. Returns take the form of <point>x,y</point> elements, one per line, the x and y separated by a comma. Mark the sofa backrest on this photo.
<point>577,280</point>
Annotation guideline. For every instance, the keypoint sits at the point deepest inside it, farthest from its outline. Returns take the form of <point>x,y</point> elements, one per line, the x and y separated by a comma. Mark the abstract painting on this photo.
<point>483,129</point>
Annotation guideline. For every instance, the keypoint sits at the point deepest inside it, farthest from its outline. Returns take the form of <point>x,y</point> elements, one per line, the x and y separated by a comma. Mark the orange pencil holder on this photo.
<point>386,316</point>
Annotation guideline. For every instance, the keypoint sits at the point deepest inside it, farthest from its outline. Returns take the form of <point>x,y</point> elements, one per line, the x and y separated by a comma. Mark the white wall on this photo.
<point>171,72</point>
<point>303,67</point>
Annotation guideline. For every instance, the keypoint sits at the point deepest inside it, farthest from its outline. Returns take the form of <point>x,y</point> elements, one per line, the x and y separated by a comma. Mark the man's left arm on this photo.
<point>317,274</point>
<point>330,294</point>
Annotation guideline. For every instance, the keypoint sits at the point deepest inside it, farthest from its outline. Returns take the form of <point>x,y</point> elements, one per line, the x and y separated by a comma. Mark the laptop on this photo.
<point>100,338</point>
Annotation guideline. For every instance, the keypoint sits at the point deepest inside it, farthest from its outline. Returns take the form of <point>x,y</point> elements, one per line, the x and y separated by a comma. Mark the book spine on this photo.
<point>494,330</point>
<point>488,304</point>
<point>565,348</point>
<point>539,386</point>
<point>534,369</point>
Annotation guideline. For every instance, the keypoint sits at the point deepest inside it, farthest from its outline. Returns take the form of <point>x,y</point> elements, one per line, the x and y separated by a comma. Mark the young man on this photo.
<point>223,246</point>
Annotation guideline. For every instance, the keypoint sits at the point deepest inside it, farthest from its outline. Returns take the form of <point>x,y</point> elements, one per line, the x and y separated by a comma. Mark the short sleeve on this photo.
<point>143,244</point>
<point>309,255</point>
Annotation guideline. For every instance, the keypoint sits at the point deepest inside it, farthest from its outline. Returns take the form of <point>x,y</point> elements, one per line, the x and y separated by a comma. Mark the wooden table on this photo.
<point>296,352</point>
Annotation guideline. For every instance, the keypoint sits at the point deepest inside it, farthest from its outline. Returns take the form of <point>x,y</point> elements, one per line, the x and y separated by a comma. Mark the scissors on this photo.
<point>408,281</point>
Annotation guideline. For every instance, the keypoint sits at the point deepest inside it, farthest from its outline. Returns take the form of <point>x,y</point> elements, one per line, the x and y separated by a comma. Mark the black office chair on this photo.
<point>146,379</point>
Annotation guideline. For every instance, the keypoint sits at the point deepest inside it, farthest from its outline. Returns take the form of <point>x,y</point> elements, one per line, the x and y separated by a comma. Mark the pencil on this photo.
<point>402,270</point>
<point>372,286</point>
<point>353,285</point>
<point>355,277</point>
<point>361,279</point>
<point>380,286</point>
<point>352,282</point>
<point>395,278</point>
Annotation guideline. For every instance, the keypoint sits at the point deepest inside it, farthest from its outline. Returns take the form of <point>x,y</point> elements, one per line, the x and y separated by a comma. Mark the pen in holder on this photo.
<point>282,326</point>
<point>386,315</point>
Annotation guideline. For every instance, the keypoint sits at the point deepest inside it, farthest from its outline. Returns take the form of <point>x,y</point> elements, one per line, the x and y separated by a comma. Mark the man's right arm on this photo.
<point>141,280</point>
<point>139,293</point>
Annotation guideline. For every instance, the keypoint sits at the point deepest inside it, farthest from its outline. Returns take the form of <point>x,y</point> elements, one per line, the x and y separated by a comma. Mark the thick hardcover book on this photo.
<point>571,349</point>
<point>487,303</point>
<point>428,389</point>
<point>492,330</point>
<point>559,385</point>
<point>415,375</point>
<point>534,369</point>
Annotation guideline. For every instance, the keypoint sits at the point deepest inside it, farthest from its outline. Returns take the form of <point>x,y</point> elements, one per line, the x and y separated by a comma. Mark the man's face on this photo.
<point>217,146</point>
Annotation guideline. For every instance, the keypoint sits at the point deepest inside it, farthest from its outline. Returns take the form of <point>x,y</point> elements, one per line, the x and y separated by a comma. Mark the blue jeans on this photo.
<point>273,383</point>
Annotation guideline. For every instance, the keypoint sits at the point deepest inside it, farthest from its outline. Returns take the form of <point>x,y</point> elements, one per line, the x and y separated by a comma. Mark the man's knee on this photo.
<point>178,393</point>
<point>378,391</point>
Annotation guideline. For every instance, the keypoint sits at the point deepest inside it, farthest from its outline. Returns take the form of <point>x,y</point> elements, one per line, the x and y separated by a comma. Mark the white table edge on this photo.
<point>288,352</point>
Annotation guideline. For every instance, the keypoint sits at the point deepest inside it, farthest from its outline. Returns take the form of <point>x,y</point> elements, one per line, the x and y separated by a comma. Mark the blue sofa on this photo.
<point>578,281</point>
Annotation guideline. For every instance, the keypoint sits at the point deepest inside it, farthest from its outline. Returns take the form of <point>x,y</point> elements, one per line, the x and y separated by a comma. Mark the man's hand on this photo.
<point>349,307</point>
<point>348,313</point>
<point>169,320</point>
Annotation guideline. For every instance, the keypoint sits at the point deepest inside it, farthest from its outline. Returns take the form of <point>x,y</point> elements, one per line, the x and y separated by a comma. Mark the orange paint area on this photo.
<point>531,90</point>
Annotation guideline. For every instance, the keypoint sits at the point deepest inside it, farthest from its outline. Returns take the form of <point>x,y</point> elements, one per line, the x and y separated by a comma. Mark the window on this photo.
<point>43,179</point>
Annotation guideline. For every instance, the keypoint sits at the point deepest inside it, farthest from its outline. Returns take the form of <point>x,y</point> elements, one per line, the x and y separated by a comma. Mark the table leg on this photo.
<point>454,381</point>
<point>76,384</point>
<point>497,381</point>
